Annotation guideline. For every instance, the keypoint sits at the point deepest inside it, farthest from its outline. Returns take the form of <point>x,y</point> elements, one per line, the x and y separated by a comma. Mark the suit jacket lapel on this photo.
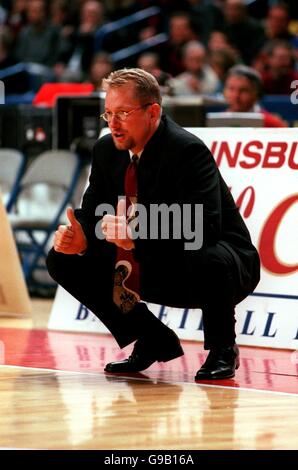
<point>117,170</point>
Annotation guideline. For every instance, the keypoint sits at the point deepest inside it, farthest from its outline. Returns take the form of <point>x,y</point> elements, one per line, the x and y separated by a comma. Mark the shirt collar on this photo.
<point>257,108</point>
<point>138,154</point>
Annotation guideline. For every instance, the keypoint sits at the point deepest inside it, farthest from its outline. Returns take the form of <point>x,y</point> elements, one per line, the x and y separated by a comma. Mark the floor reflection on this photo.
<point>97,411</point>
<point>265,369</point>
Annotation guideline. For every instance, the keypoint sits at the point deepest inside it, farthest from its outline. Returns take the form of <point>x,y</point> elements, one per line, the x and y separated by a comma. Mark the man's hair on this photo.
<point>251,74</point>
<point>146,86</point>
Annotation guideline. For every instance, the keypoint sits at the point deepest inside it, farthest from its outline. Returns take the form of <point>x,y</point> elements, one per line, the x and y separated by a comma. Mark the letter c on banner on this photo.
<point>267,251</point>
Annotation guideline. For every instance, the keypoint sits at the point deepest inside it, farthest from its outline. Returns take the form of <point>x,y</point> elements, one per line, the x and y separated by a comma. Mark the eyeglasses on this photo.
<point>121,115</point>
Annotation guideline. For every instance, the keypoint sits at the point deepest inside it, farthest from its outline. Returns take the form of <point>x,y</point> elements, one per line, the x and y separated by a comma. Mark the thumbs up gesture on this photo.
<point>70,239</point>
<point>116,229</point>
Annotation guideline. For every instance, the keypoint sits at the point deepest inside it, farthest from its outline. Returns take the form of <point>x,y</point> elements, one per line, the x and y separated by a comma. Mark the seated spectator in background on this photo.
<point>39,41</point>
<point>17,17</point>
<point>242,91</point>
<point>260,61</point>
<point>222,55</point>
<point>277,23</point>
<point>198,77</point>
<point>280,74</point>
<point>221,61</point>
<point>91,18</point>
<point>64,15</point>
<point>244,33</point>
<point>218,41</point>
<point>206,16</point>
<point>149,61</point>
<point>181,31</point>
<point>101,67</point>
<point>6,59</point>
<point>16,83</point>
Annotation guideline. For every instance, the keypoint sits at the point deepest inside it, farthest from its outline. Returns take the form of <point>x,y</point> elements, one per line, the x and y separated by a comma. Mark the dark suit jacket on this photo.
<point>175,167</point>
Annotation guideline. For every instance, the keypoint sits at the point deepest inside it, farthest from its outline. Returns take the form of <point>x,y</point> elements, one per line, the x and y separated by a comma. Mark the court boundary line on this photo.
<point>200,384</point>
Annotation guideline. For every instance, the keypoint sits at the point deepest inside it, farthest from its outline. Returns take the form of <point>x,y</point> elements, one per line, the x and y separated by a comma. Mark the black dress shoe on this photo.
<point>220,364</point>
<point>146,352</point>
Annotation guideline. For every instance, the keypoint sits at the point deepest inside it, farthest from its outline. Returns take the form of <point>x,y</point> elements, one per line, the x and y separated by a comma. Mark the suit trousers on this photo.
<point>89,279</point>
<point>212,284</point>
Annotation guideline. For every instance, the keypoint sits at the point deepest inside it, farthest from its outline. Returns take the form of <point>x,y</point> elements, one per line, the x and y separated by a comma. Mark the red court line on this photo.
<point>260,368</point>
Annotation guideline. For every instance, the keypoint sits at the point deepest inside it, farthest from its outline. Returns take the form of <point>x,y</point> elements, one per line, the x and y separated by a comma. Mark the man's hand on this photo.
<point>116,229</point>
<point>195,84</point>
<point>70,239</point>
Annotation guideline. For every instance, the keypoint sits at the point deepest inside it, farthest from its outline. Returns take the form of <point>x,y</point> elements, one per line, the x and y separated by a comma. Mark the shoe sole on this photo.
<point>207,377</point>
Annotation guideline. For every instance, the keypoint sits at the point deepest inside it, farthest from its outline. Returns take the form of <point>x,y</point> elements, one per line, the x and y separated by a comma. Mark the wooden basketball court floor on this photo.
<point>55,395</point>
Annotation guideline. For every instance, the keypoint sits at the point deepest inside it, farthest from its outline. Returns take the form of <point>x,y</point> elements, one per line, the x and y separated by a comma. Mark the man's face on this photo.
<point>278,20</point>
<point>194,60</point>
<point>180,30</point>
<point>280,60</point>
<point>36,11</point>
<point>133,133</point>
<point>234,10</point>
<point>240,94</point>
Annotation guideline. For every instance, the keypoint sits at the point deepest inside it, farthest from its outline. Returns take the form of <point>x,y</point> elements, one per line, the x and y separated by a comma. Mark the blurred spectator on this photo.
<point>281,69</point>
<point>181,31</point>
<point>198,77</point>
<point>206,17</point>
<point>39,41</point>
<point>261,60</point>
<point>17,17</point>
<point>6,59</point>
<point>91,18</point>
<point>218,41</point>
<point>101,67</point>
<point>244,33</point>
<point>149,61</point>
<point>16,83</point>
<point>277,23</point>
<point>243,90</point>
<point>221,61</point>
<point>63,16</point>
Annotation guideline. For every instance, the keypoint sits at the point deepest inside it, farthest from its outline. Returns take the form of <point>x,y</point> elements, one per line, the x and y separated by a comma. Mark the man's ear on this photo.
<point>155,110</point>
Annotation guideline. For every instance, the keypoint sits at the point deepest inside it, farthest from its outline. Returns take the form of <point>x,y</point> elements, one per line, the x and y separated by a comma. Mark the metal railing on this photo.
<point>139,47</point>
<point>108,28</point>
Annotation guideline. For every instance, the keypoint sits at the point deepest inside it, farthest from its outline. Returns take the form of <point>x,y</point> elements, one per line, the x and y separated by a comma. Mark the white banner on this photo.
<point>261,168</point>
